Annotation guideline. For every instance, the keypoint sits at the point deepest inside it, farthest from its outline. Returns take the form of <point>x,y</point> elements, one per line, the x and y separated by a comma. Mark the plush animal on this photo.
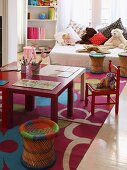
<point>34,2</point>
<point>88,34</point>
<point>107,82</point>
<point>40,3</point>
<point>67,40</point>
<point>53,3</point>
<point>117,39</point>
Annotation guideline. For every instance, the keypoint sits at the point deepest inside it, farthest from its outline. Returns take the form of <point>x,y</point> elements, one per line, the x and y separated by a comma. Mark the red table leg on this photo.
<point>7,109</point>
<point>70,100</point>
<point>82,90</point>
<point>29,102</point>
<point>54,109</point>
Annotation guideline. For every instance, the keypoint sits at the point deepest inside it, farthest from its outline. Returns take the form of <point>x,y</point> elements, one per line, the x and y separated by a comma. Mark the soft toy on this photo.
<point>34,2</point>
<point>107,82</point>
<point>40,3</point>
<point>88,34</point>
<point>53,3</point>
<point>67,39</point>
<point>117,39</point>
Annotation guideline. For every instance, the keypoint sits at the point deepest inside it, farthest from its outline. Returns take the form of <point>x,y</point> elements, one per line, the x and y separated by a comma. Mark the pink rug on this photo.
<point>73,140</point>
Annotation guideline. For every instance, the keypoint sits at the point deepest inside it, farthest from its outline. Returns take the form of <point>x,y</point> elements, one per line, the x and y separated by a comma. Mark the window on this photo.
<point>91,12</point>
<point>105,12</point>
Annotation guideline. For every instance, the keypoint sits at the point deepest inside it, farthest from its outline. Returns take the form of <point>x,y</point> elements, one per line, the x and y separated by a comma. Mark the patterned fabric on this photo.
<point>78,28</point>
<point>98,39</point>
<point>107,30</point>
<point>125,34</point>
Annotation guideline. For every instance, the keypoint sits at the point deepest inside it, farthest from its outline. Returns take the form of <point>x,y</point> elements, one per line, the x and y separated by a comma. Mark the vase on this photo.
<point>51,13</point>
<point>24,69</point>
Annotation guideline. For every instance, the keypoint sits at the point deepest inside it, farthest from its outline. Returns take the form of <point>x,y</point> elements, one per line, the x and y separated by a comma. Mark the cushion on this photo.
<point>58,36</point>
<point>78,28</point>
<point>107,30</point>
<point>125,34</point>
<point>98,39</point>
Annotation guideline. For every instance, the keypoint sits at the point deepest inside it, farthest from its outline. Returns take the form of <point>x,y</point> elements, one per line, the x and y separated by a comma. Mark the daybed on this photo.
<point>67,55</point>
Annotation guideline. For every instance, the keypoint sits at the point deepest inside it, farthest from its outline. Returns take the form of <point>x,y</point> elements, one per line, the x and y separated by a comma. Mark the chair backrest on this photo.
<point>116,70</point>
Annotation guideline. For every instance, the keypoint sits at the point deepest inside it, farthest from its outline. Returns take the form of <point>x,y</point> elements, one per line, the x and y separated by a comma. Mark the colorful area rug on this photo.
<point>75,135</point>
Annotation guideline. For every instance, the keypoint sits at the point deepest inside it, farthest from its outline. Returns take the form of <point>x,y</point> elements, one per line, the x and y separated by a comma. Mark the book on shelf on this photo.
<point>36,33</point>
<point>38,84</point>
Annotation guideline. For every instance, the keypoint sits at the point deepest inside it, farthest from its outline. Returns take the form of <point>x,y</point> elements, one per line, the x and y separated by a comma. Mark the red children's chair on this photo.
<point>95,91</point>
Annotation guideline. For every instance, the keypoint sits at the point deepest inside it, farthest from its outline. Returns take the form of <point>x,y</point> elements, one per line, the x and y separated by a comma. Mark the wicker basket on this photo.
<point>97,63</point>
<point>123,64</point>
<point>38,140</point>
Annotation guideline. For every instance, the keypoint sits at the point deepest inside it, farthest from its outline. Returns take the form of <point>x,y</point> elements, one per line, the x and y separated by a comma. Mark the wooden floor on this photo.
<point>109,149</point>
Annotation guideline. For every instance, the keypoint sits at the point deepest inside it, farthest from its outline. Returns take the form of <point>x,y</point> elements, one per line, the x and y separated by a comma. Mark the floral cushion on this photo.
<point>78,28</point>
<point>107,30</point>
<point>98,39</point>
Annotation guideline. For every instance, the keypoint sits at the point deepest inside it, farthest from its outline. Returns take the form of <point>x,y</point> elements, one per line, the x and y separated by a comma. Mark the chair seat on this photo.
<point>94,88</point>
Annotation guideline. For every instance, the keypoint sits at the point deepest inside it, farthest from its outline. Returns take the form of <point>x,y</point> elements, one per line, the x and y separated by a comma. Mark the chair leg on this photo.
<point>108,98</point>
<point>86,95</point>
<point>92,104</point>
<point>117,105</point>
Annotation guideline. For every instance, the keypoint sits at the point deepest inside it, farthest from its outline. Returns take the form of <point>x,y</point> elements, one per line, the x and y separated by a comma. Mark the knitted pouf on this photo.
<point>38,140</point>
<point>96,62</point>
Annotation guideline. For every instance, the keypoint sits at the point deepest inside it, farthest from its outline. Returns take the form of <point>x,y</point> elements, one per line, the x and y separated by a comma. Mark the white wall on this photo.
<point>9,41</point>
<point>12,30</point>
<point>1,7</point>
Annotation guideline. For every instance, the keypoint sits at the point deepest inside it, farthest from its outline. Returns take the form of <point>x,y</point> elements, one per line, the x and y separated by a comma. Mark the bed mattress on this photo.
<point>67,55</point>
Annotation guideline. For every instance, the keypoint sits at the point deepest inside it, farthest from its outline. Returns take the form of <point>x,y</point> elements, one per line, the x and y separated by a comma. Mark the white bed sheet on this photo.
<point>67,56</point>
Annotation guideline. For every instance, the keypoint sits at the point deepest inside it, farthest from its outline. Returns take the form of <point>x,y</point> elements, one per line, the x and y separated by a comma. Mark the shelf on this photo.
<point>41,39</point>
<point>34,6</point>
<point>41,20</point>
<point>42,28</point>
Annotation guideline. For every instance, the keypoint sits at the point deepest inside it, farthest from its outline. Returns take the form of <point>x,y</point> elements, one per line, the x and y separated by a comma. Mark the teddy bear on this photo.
<point>117,39</point>
<point>107,82</point>
<point>88,34</point>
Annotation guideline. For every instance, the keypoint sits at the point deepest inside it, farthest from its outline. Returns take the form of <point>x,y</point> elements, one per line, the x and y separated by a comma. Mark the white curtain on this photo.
<point>79,11</point>
<point>119,10</point>
<point>76,10</point>
<point>21,6</point>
